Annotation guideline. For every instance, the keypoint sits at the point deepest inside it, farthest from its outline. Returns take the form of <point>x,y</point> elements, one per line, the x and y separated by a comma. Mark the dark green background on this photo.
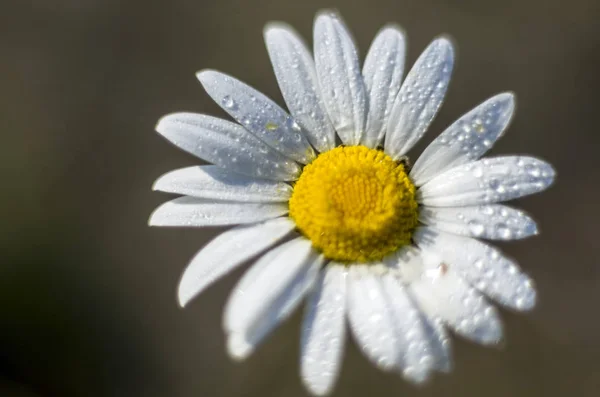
<point>87,290</point>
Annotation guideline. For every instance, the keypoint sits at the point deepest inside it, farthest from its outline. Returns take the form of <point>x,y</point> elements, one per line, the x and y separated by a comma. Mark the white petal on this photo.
<point>341,81</point>
<point>467,139</point>
<point>258,114</point>
<point>227,145</point>
<point>487,181</point>
<point>212,182</point>
<point>415,355</point>
<point>420,97</point>
<point>482,266</point>
<point>269,292</point>
<point>408,263</point>
<point>191,211</point>
<point>494,221</point>
<point>297,78</point>
<point>238,347</point>
<point>382,73</point>
<point>442,293</point>
<point>439,343</point>
<point>370,317</point>
<point>324,331</point>
<point>226,252</point>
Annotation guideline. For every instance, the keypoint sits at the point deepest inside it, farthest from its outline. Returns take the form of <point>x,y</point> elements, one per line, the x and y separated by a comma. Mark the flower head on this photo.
<point>327,197</point>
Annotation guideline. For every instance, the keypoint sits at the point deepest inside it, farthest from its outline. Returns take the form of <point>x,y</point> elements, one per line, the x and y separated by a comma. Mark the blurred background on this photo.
<point>87,289</point>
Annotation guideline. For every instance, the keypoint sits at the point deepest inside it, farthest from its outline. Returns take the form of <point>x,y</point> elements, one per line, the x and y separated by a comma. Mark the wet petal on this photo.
<point>415,355</point>
<point>370,317</point>
<point>212,182</point>
<point>493,222</point>
<point>469,138</point>
<point>341,81</point>
<point>442,293</point>
<point>297,78</point>
<point>258,114</point>
<point>226,252</point>
<point>420,97</point>
<point>268,293</point>
<point>192,212</point>
<point>324,330</point>
<point>227,145</point>
<point>382,73</point>
<point>482,266</point>
<point>487,181</point>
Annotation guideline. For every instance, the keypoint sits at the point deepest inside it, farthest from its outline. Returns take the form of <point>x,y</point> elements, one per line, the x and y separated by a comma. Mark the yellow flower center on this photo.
<point>355,204</point>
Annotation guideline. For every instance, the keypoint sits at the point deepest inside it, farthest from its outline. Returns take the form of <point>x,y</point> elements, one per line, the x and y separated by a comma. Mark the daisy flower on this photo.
<point>327,197</point>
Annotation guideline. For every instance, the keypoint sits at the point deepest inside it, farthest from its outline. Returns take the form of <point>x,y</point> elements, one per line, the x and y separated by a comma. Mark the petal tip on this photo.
<point>275,27</point>
<point>238,348</point>
<point>526,303</point>
<point>327,13</point>
<point>317,389</point>
<point>393,28</point>
<point>206,75</point>
<point>183,298</point>
<point>509,96</point>
<point>445,42</point>
<point>158,184</point>
<point>162,122</point>
<point>152,220</point>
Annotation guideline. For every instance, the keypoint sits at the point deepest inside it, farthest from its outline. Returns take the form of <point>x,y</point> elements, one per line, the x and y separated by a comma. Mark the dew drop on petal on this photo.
<point>476,228</point>
<point>228,102</point>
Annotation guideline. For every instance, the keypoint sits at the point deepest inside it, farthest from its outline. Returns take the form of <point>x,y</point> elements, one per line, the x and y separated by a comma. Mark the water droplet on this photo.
<point>487,210</point>
<point>496,185</point>
<point>294,125</point>
<point>503,231</point>
<point>228,102</point>
<point>532,170</point>
<point>476,228</point>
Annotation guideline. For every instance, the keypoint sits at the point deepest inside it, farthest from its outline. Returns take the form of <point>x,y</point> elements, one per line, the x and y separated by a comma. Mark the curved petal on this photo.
<point>408,263</point>
<point>297,78</point>
<point>487,181</point>
<point>341,81</point>
<point>482,266</point>
<point>415,355</point>
<point>370,317</point>
<point>440,343</point>
<point>493,222</point>
<point>442,293</point>
<point>226,252</point>
<point>469,138</point>
<point>324,331</point>
<point>191,211</point>
<point>212,182</point>
<point>420,97</point>
<point>227,145</point>
<point>382,73</point>
<point>268,293</point>
<point>258,114</point>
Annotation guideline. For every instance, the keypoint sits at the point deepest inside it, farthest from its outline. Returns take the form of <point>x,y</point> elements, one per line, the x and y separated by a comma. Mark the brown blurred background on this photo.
<point>87,290</point>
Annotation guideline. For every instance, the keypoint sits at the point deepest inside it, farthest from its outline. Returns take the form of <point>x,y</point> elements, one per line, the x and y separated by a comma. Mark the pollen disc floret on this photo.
<point>355,204</point>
